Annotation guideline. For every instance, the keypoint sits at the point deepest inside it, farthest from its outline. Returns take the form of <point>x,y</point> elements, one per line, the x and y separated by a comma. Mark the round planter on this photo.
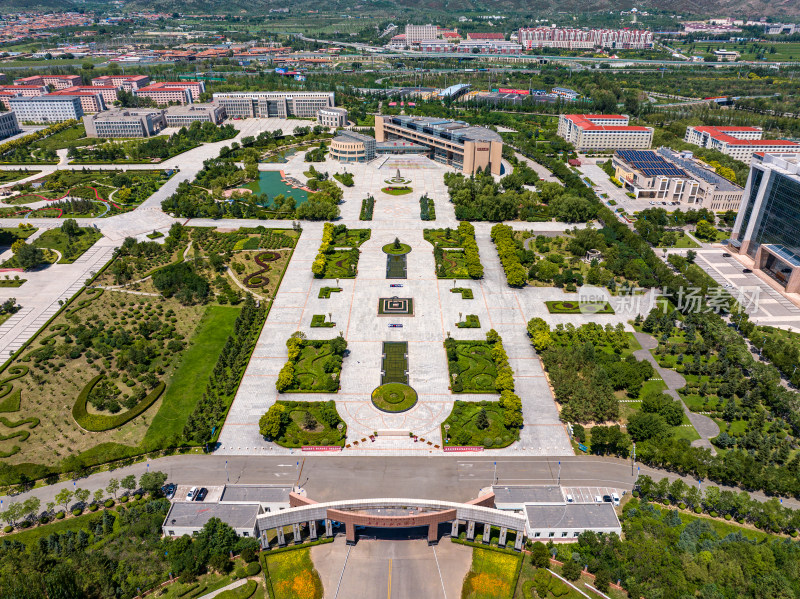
<point>394,397</point>
<point>390,249</point>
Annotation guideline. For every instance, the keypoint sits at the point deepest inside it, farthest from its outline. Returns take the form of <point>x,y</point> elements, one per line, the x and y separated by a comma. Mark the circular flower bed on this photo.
<point>394,397</point>
<point>390,249</point>
<point>397,181</point>
<point>395,190</point>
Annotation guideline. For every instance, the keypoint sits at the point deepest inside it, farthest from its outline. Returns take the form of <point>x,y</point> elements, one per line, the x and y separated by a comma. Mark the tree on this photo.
<point>98,496</point>
<point>29,256</point>
<point>540,556</point>
<point>30,507</point>
<point>481,420</point>
<point>152,482</point>
<point>63,497</point>
<point>221,563</point>
<point>112,487</point>
<point>309,422</point>
<point>217,537</point>
<point>691,255</point>
<point>128,483</point>
<point>271,423</point>
<point>705,230</point>
<point>70,227</point>
<point>82,495</point>
<point>571,570</point>
<point>602,580</point>
<point>12,513</point>
<point>646,425</point>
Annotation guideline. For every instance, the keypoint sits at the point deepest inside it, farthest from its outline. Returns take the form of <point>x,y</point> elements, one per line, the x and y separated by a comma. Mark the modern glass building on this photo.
<point>767,229</point>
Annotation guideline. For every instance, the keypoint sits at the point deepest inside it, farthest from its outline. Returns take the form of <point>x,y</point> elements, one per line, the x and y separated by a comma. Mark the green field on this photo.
<point>291,575</point>
<point>395,363</point>
<point>492,575</point>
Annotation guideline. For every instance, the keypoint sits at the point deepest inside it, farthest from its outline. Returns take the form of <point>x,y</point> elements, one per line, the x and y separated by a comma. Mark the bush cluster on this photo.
<point>503,237</point>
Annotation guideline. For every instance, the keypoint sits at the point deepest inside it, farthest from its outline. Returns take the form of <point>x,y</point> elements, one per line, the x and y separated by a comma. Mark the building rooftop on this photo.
<point>255,494</point>
<point>585,122</point>
<point>195,514</point>
<point>528,494</point>
<point>719,133</point>
<point>344,136</point>
<point>698,172</point>
<point>572,515</point>
<point>650,164</point>
<point>454,129</point>
<point>48,98</point>
<point>115,113</point>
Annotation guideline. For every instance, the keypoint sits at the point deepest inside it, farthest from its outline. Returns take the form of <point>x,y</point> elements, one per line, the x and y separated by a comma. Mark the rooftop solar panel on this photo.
<point>650,163</point>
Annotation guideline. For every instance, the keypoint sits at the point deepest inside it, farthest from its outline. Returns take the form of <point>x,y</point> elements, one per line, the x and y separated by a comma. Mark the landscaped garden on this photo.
<point>136,370</point>
<point>427,208</point>
<point>455,252</point>
<point>479,366</point>
<point>301,423</point>
<point>489,424</point>
<point>318,321</point>
<point>470,322</point>
<point>40,146</point>
<point>325,292</point>
<point>576,307</point>
<point>11,176</point>
<point>396,248</point>
<point>85,194</point>
<point>63,245</point>
<point>367,208</point>
<point>291,575</point>
<point>397,190</point>
<point>314,366</point>
<point>394,397</point>
<point>338,253</point>
<point>466,293</point>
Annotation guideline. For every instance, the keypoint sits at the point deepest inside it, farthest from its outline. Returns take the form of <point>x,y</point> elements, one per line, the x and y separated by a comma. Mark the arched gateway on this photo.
<point>392,513</point>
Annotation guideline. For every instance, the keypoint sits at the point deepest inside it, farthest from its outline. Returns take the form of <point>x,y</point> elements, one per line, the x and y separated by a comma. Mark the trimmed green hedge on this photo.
<point>98,422</point>
<point>252,569</point>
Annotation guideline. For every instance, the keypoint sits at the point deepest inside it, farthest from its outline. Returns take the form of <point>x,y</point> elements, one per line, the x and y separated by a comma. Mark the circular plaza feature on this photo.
<point>397,190</point>
<point>394,397</point>
<point>393,249</point>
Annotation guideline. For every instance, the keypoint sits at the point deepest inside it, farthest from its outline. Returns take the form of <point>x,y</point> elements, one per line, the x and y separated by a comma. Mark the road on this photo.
<point>329,478</point>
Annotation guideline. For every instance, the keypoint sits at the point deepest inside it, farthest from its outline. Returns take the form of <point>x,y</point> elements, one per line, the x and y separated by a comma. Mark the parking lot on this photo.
<point>588,494</point>
<point>214,493</point>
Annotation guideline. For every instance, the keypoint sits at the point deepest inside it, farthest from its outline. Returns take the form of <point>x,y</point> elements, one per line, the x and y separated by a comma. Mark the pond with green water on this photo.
<point>269,182</point>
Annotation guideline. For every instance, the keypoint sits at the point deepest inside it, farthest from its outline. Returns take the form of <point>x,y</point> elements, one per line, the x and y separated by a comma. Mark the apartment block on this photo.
<point>46,109</point>
<point>603,132</point>
<point>125,122</point>
<point>109,93</point>
<point>737,142</point>
<point>332,117</point>
<point>127,82</point>
<point>183,116</point>
<point>421,33</point>
<point>164,95</point>
<point>274,104</point>
<point>584,39</point>
<point>14,91</point>
<point>8,124</point>
<point>91,100</point>
<point>767,229</point>
<point>57,81</point>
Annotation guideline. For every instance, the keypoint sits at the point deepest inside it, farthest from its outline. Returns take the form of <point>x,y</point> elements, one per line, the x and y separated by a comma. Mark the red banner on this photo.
<point>508,90</point>
<point>464,448</point>
<point>321,448</point>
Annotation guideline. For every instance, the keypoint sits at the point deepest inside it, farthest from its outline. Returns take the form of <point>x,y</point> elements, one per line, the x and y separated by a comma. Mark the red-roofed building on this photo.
<point>109,93</point>
<point>737,142</point>
<point>603,132</point>
<point>12,91</point>
<point>166,92</point>
<point>127,82</point>
<point>91,101</point>
<point>485,36</point>
<point>57,81</point>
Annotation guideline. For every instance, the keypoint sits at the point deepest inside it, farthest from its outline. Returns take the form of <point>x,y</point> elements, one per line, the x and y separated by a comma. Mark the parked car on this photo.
<point>726,255</point>
<point>607,499</point>
<point>598,499</point>
<point>201,494</point>
<point>615,498</point>
<point>191,493</point>
<point>169,490</point>
<point>746,270</point>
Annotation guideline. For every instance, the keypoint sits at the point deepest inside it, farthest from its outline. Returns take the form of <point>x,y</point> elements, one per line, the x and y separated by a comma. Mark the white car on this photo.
<point>190,495</point>
<point>598,499</point>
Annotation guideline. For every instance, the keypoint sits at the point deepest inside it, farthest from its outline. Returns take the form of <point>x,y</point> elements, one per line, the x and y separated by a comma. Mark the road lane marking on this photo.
<point>389,595</point>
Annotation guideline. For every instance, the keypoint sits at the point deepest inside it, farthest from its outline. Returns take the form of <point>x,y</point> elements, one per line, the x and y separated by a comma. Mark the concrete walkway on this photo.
<point>705,426</point>
<point>234,585</point>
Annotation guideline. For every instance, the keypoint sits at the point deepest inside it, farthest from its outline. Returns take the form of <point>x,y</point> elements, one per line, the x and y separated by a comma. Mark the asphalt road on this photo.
<point>454,478</point>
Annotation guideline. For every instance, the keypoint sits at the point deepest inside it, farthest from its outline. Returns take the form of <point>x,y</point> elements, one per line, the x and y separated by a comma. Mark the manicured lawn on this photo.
<point>463,421</point>
<point>576,307</point>
<point>70,250</point>
<point>10,176</point>
<point>397,191</point>
<point>491,576</point>
<point>191,376</point>
<point>351,238</point>
<point>394,397</point>
<point>684,241</point>
<point>318,321</point>
<point>297,434</point>
<point>390,248</point>
<point>685,432</point>
<point>395,363</point>
<point>309,368</point>
<point>325,292</point>
<point>464,291</point>
<point>342,264</point>
<point>8,235</point>
<point>470,322</point>
<point>474,367</point>
<point>292,575</point>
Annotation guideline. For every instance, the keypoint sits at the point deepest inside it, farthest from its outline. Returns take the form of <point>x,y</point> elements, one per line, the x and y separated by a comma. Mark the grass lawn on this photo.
<point>465,292</point>
<point>394,362</point>
<point>189,380</point>
<point>309,369</point>
<point>397,191</point>
<point>464,429</point>
<point>8,235</point>
<point>32,535</point>
<point>556,588</point>
<point>73,137</point>
<point>325,292</point>
<point>394,397</point>
<point>474,368</point>
<point>491,575</point>
<point>292,575</point>
<point>10,176</point>
<point>684,241</point>
<point>70,250</point>
<point>351,238</point>
<point>685,432</point>
<point>390,248</point>
<point>576,307</point>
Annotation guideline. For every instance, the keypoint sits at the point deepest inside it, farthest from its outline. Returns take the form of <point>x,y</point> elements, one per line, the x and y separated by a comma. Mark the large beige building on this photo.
<point>454,143</point>
<point>332,117</point>
<point>603,132</point>
<point>666,176</point>
<point>274,104</point>
<point>737,142</point>
<point>125,122</point>
<point>421,33</point>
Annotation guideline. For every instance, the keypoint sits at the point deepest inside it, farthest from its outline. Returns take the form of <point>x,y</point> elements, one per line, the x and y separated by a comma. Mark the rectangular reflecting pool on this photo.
<point>270,183</point>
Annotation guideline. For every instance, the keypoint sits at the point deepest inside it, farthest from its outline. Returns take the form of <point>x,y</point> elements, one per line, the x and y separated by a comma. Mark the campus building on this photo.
<point>349,146</point>
<point>239,506</point>
<point>666,176</point>
<point>109,93</point>
<point>532,38</point>
<point>183,116</point>
<point>125,122</point>
<point>421,33</point>
<point>737,142</point>
<point>13,91</point>
<point>332,117</point>
<point>767,229</point>
<point>454,143</point>
<point>57,81</point>
<point>91,99</point>
<point>164,93</point>
<point>274,104</point>
<point>127,82</point>
<point>603,132</point>
<point>46,109</point>
<point>8,124</point>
